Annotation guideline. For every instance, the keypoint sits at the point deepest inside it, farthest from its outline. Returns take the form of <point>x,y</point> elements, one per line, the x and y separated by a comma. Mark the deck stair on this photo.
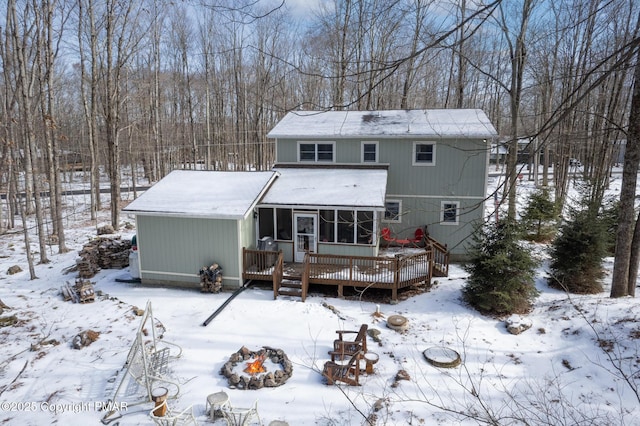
<point>290,286</point>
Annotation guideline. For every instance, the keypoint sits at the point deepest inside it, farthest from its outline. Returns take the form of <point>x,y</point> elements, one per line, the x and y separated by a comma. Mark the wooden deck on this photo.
<point>385,272</point>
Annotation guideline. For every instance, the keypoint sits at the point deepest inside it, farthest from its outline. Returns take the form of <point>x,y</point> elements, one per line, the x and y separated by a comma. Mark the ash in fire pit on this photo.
<point>267,367</point>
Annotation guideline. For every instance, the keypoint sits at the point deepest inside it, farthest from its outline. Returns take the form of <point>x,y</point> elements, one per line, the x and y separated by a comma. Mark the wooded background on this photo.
<point>111,86</point>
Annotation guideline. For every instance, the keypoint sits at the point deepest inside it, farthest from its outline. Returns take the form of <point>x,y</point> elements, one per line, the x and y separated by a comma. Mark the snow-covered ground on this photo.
<point>575,365</point>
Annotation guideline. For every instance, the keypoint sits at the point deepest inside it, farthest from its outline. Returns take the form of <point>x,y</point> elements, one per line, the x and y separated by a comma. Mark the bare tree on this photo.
<point>625,267</point>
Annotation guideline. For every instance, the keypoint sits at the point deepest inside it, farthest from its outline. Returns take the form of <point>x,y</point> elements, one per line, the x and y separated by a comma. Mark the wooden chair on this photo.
<point>346,372</point>
<point>343,348</point>
<point>164,416</point>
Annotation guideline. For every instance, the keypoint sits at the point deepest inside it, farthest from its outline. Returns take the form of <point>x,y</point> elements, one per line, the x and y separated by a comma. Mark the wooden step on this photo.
<point>291,278</point>
<point>290,292</point>
<point>290,288</point>
<point>291,284</point>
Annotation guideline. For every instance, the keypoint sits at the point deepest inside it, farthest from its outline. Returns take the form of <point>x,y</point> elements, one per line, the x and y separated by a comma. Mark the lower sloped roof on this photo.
<point>210,194</point>
<point>364,188</point>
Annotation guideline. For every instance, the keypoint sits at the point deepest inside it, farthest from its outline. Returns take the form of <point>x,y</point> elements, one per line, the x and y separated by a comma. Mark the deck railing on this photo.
<point>262,265</point>
<point>392,273</point>
<point>440,258</point>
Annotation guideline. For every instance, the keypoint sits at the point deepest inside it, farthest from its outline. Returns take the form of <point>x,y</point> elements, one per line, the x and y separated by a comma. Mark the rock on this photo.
<point>106,229</point>
<point>516,324</point>
<point>14,270</point>
<point>374,334</point>
<point>378,405</point>
<point>84,339</point>
<point>403,375</point>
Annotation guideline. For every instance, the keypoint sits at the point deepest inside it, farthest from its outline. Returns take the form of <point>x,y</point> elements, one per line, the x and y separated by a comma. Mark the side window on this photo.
<point>307,152</point>
<point>369,152</point>
<point>424,153</point>
<point>392,211</point>
<point>316,152</point>
<point>449,213</point>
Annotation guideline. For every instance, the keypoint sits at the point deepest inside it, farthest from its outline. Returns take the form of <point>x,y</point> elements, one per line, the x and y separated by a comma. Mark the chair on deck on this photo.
<point>347,372</point>
<point>418,237</point>
<point>164,416</point>
<point>343,349</point>
<point>385,233</point>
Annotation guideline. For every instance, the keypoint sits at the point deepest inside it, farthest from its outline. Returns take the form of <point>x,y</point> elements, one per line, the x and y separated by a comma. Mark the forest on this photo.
<point>132,89</point>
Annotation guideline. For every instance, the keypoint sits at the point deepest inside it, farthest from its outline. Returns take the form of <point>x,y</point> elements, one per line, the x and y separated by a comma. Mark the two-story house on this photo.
<point>340,178</point>
<point>434,162</point>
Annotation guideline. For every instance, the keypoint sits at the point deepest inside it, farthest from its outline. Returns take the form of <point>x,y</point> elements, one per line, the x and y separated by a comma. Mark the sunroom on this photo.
<point>325,210</point>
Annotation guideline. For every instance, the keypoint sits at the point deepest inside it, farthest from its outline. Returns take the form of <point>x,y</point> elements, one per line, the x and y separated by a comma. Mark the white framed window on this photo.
<point>393,211</point>
<point>369,152</point>
<point>316,152</point>
<point>449,212</point>
<point>424,153</point>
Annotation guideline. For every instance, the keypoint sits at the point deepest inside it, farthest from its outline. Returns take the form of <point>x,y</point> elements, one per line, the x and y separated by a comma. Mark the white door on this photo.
<point>305,234</point>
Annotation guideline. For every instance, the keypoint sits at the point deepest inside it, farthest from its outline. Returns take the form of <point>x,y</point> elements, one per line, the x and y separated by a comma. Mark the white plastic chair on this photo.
<point>241,416</point>
<point>172,417</point>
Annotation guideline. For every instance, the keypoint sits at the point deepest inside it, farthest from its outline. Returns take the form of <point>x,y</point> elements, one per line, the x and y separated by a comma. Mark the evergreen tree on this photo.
<point>577,253</point>
<point>501,271</point>
<point>539,216</point>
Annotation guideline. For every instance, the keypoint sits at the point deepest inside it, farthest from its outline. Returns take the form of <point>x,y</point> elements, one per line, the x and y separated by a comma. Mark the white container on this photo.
<point>134,267</point>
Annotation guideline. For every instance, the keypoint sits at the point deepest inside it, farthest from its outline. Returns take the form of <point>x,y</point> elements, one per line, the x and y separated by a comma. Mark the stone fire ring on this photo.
<point>238,379</point>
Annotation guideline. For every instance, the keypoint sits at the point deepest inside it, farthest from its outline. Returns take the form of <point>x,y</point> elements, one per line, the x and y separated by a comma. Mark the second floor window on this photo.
<point>315,151</point>
<point>392,211</point>
<point>369,152</point>
<point>424,154</point>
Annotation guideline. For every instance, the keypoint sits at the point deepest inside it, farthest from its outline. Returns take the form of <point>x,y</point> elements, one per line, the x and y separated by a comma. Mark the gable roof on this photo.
<point>442,123</point>
<point>210,194</point>
<point>321,187</point>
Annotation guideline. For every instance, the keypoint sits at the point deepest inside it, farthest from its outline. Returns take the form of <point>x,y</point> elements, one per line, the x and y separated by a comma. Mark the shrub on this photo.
<point>502,272</point>
<point>577,253</point>
<point>539,217</point>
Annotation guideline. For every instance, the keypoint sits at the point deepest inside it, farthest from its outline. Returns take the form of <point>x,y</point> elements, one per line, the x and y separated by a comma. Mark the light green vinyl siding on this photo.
<point>459,169</point>
<point>174,249</point>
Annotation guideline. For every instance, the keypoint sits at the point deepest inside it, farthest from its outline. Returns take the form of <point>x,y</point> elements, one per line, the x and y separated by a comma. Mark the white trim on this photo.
<point>442,204</point>
<point>180,274</point>
<point>316,143</point>
<point>457,197</point>
<point>423,164</point>
<point>375,143</point>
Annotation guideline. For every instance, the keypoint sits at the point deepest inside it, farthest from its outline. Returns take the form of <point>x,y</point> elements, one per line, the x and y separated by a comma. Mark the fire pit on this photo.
<point>267,367</point>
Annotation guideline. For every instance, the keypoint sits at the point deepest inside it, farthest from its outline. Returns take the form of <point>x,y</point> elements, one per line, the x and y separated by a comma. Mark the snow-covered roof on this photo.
<point>445,123</point>
<point>328,187</point>
<point>210,194</point>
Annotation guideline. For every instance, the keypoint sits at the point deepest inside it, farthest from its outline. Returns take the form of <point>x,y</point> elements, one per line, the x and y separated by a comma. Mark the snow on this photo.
<point>211,194</point>
<point>328,187</point>
<point>452,123</point>
<point>569,367</point>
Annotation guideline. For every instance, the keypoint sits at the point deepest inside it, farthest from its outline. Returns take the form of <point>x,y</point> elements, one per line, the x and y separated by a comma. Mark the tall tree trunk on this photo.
<point>624,272</point>
<point>47,99</point>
